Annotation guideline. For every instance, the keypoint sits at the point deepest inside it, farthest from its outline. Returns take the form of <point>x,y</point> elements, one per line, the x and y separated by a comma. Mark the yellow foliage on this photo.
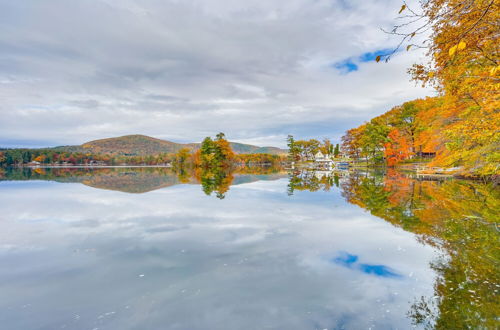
<point>463,64</point>
<point>452,50</point>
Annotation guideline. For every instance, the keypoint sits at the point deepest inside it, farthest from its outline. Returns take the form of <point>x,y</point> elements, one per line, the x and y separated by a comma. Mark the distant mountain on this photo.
<point>141,145</point>
<point>241,148</point>
<point>132,145</point>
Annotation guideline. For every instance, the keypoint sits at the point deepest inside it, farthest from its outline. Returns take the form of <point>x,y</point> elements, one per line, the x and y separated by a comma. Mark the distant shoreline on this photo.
<point>91,166</point>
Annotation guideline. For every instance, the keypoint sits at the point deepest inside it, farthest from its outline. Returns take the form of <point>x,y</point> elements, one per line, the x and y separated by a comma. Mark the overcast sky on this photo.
<point>74,71</point>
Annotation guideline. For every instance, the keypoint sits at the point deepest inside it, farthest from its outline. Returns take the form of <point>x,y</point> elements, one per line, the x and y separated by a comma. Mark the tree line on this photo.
<point>217,153</point>
<point>212,153</point>
<point>303,150</point>
<point>399,134</point>
<point>16,157</point>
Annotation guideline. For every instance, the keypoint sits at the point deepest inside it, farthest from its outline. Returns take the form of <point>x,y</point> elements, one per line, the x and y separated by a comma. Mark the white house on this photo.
<point>320,157</point>
<point>324,161</point>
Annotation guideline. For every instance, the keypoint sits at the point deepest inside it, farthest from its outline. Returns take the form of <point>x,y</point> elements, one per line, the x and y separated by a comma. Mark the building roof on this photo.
<point>319,154</point>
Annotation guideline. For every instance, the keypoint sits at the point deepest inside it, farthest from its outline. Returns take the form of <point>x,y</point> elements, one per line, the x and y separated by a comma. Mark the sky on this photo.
<point>181,70</point>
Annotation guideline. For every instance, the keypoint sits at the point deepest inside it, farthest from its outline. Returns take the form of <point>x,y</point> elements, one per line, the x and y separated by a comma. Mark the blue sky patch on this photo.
<point>346,66</point>
<point>371,56</point>
<point>351,64</point>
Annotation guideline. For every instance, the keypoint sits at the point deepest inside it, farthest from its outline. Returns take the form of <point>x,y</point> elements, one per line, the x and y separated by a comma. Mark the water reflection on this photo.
<point>459,217</point>
<point>305,251</point>
<point>145,179</point>
<point>351,261</point>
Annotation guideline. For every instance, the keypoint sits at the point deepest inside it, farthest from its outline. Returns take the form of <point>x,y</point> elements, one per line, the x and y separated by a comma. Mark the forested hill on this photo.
<point>142,145</point>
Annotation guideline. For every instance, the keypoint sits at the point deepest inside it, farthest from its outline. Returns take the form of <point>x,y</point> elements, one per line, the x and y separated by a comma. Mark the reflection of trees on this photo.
<point>143,179</point>
<point>219,179</point>
<point>260,170</point>
<point>215,180</point>
<point>384,199</point>
<point>311,181</point>
<point>183,175</point>
<point>456,216</point>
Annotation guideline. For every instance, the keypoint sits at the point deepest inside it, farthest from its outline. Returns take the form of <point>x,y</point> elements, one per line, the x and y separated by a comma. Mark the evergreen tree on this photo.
<point>293,149</point>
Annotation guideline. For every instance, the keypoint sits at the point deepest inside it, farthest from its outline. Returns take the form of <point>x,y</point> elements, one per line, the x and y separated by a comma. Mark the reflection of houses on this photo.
<point>342,165</point>
<point>321,174</point>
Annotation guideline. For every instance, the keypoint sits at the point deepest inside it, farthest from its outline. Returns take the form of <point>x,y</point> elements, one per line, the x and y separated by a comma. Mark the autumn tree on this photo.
<point>326,147</point>
<point>397,148</point>
<point>373,140</point>
<point>40,158</point>
<point>463,52</point>
<point>307,148</point>
<point>224,154</point>
<point>351,142</point>
<point>182,158</point>
<point>216,153</point>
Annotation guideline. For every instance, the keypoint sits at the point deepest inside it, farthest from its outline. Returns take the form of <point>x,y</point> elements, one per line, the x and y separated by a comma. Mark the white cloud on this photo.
<point>181,70</point>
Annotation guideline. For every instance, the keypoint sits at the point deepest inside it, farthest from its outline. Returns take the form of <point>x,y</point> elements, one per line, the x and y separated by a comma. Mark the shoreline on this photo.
<point>417,170</point>
<point>92,166</point>
<point>413,168</point>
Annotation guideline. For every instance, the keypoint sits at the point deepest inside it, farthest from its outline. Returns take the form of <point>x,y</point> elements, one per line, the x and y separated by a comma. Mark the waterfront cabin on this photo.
<point>323,161</point>
<point>428,155</point>
<point>318,157</point>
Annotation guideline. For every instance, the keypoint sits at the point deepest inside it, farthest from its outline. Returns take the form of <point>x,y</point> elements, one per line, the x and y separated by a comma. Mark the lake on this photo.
<point>153,249</point>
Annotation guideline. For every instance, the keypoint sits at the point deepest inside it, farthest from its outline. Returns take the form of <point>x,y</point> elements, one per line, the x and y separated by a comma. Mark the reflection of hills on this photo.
<point>140,182</point>
<point>131,181</point>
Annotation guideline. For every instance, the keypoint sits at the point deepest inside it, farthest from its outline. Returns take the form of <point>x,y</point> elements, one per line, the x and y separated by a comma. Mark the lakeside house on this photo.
<point>426,155</point>
<point>322,160</point>
<point>318,157</point>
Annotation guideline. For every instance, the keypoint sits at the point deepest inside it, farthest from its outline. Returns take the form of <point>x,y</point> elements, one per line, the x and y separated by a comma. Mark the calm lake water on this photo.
<point>150,249</point>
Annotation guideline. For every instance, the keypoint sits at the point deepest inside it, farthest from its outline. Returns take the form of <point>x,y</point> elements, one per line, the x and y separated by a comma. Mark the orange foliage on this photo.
<point>398,148</point>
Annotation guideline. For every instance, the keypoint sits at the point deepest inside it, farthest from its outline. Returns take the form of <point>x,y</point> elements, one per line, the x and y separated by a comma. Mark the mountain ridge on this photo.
<point>143,145</point>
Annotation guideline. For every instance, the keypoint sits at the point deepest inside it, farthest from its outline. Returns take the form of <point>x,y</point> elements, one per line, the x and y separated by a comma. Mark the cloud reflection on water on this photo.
<point>252,260</point>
